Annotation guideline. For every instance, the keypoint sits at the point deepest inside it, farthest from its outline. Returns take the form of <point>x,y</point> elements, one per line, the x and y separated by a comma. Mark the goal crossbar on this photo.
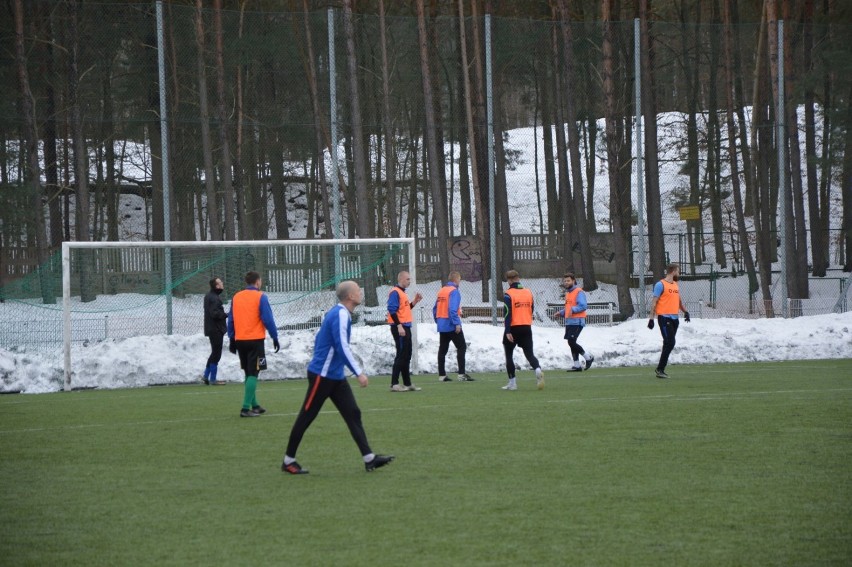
<point>167,247</point>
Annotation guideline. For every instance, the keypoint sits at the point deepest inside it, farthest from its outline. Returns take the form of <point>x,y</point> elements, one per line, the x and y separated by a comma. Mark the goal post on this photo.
<point>114,290</point>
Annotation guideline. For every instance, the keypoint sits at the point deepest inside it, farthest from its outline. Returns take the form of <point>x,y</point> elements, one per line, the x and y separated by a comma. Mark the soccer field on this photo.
<point>746,464</point>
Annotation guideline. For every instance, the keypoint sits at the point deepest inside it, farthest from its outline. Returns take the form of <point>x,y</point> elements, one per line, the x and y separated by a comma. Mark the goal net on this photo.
<point>118,290</point>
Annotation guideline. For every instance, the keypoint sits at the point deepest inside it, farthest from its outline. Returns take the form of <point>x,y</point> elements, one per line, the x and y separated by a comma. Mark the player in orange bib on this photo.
<point>400,319</point>
<point>447,314</point>
<point>666,305</point>
<point>575,319</point>
<point>249,320</point>
<point>520,307</point>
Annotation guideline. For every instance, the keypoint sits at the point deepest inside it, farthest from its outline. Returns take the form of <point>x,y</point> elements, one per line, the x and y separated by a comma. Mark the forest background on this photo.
<point>250,130</point>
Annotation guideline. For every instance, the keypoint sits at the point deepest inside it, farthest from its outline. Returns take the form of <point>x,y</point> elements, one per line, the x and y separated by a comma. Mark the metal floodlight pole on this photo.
<point>640,166</point>
<point>412,271</point>
<point>337,229</point>
<point>164,139</point>
<point>66,312</point>
<point>782,169</point>
<point>489,96</point>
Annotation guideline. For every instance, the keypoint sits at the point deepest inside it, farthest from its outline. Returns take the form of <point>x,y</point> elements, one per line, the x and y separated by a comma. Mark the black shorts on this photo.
<point>252,356</point>
<point>522,335</point>
<point>573,331</point>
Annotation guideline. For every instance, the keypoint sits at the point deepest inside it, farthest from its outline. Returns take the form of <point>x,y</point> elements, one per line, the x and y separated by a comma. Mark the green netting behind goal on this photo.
<point>124,290</point>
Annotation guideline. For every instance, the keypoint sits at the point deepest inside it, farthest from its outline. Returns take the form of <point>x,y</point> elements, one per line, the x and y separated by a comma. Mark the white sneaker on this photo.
<point>511,386</point>
<point>397,388</point>
<point>412,388</point>
<point>539,379</point>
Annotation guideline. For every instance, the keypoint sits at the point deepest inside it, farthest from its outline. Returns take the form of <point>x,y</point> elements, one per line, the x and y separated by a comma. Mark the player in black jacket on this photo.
<point>215,327</point>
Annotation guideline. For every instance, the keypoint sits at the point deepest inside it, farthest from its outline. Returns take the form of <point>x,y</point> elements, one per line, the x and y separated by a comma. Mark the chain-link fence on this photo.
<point>326,123</point>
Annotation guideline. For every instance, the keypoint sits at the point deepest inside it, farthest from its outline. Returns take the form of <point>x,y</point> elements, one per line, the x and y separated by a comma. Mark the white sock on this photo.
<point>577,363</point>
<point>370,457</point>
<point>589,356</point>
<point>512,380</point>
<point>538,372</point>
<point>289,460</point>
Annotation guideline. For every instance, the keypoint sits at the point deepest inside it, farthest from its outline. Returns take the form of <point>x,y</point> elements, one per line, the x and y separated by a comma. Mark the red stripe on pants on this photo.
<point>313,393</point>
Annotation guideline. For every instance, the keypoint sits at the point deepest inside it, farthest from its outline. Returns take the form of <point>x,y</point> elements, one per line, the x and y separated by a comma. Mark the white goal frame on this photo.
<point>168,246</point>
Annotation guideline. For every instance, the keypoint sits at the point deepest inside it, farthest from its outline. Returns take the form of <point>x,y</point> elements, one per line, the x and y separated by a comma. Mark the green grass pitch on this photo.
<point>742,464</point>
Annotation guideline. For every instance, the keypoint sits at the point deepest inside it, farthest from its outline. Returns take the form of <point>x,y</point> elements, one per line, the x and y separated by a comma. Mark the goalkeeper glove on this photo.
<point>650,323</point>
<point>276,344</point>
<point>232,347</point>
<point>686,316</point>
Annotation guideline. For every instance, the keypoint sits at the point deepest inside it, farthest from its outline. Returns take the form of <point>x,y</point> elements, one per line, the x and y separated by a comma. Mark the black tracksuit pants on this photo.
<point>319,390</point>
<point>402,360</point>
<point>524,339</point>
<point>444,340</point>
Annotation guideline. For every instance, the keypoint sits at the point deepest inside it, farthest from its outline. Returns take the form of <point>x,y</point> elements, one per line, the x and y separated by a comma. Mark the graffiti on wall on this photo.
<point>466,257</point>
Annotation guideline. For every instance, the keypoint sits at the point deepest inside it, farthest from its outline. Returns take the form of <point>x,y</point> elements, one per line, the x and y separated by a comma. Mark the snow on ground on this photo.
<point>161,359</point>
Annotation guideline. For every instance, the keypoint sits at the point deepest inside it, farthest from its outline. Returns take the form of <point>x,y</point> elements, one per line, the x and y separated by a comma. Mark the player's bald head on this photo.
<point>346,289</point>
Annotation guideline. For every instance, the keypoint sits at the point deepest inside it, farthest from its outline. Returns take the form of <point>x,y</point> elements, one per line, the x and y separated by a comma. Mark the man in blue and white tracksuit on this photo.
<point>326,379</point>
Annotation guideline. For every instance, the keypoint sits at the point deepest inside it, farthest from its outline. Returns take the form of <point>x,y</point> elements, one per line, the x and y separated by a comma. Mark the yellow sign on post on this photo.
<point>689,212</point>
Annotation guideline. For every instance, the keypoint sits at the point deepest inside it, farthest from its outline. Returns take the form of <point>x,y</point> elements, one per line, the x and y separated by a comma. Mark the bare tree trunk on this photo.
<point>224,137</point>
<point>31,144</point>
<point>690,72</point>
<point>213,216</point>
<point>846,187</point>
<point>827,136</point>
<point>714,146</point>
<point>357,137</point>
<point>565,199</point>
<point>621,226</point>
<point>656,244</point>
<point>739,101</point>
<point>245,200</point>
<point>501,199</point>
<point>591,170</point>
<point>387,124</point>
<point>51,159</point>
<point>819,254</point>
<point>81,162</point>
<point>588,268</point>
<point>795,162</point>
<point>318,123</point>
<point>536,113</point>
<point>548,121</point>
<point>479,203</point>
<point>113,190</point>
<point>438,195</point>
<point>732,148</point>
<point>279,187</point>
<point>759,198</point>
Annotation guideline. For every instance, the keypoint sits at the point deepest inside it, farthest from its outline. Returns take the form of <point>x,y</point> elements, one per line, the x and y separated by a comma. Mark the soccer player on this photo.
<point>400,320</point>
<point>666,304</point>
<point>248,322</point>
<point>215,327</point>
<point>447,314</point>
<point>326,379</point>
<point>575,319</point>
<point>518,329</point>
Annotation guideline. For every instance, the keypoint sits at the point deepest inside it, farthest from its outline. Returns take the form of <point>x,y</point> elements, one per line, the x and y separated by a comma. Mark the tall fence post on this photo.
<point>337,228</point>
<point>640,170</point>
<point>489,95</point>
<point>164,139</point>
<point>780,142</point>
